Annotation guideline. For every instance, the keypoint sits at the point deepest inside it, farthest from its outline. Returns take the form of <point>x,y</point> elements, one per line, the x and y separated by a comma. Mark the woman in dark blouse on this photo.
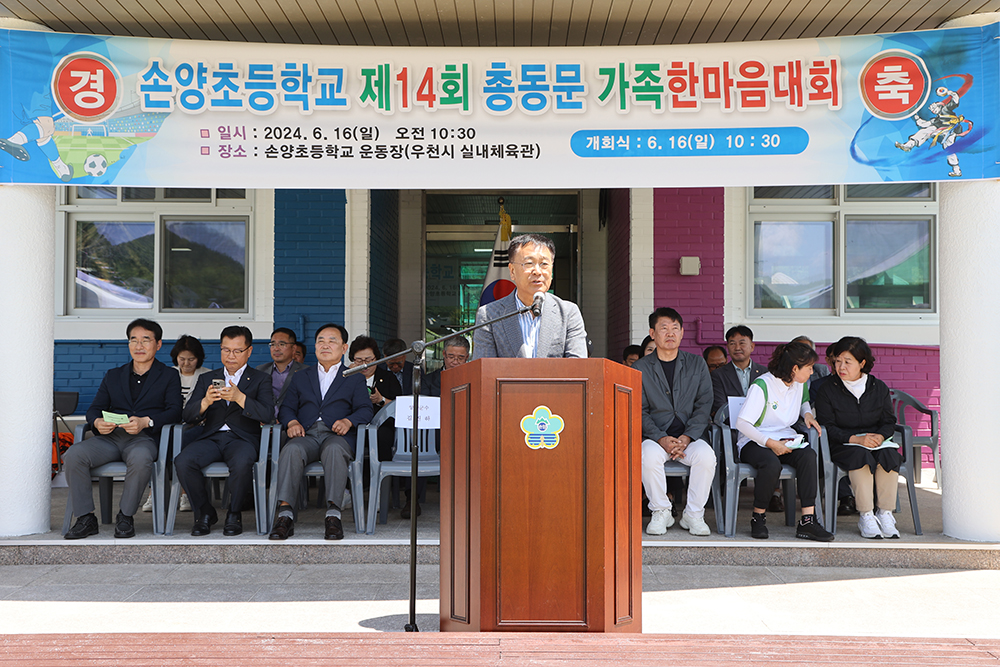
<point>856,410</point>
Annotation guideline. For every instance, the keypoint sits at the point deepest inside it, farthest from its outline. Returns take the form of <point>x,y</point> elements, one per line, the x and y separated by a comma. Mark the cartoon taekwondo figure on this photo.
<point>39,130</point>
<point>943,129</point>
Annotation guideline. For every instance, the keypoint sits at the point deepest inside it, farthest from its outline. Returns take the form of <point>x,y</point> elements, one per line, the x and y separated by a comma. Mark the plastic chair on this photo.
<point>900,401</point>
<point>678,469</point>
<point>831,482</point>
<point>270,437</point>
<point>106,474</point>
<point>355,479</point>
<point>429,463</point>
<point>736,472</point>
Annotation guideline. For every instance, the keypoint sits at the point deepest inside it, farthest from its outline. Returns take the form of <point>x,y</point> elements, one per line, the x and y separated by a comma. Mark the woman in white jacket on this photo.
<point>775,401</point>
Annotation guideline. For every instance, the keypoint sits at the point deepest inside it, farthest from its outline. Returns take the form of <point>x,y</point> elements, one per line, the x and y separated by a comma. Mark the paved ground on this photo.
<point>680,600</point>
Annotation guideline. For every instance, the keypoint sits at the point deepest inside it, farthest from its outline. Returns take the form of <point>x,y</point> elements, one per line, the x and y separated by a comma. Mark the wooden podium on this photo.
<point>541,533</point>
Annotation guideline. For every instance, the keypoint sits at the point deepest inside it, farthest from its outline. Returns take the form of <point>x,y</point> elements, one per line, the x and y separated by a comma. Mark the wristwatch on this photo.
<point>150,422</point>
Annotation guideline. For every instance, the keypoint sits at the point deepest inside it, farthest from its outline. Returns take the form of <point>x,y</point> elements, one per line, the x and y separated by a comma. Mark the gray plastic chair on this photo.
<point>355,479</point>
<point>736,472</point>
<point>429,462</point>
<point>833,474</point>
<point>900,401</point>
<point>678,469</point>
<point>270,437</point>
<point>106,474</point>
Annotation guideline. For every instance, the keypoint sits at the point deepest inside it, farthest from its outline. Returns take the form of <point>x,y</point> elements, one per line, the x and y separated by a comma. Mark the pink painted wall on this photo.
<point>619,294</point>
<point>690,222</point>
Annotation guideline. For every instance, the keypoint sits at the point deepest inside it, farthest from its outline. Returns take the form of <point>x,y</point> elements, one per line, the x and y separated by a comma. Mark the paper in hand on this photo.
<point>114,418</point>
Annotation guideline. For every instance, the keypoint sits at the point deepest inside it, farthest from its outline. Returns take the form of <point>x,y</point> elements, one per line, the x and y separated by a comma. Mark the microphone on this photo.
<point>536,306</point>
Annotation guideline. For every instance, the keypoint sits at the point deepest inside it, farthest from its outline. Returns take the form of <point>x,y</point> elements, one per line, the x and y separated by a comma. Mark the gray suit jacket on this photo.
<point>269,366</point>
<point>691,399</point>
<point>726,383</point>
<point>560,333</point>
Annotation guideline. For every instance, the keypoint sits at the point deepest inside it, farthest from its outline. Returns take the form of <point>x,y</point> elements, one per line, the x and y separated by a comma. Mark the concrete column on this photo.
<point>357,262</point>
<point>969,245</point>
<point>641,269</point>
<point>27,227</point>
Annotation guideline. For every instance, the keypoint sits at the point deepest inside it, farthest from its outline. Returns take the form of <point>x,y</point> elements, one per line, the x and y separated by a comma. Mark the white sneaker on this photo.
<point>662,519</point>
<point>695,525</point>
<point>887,524</point>
<point>148,505</point>
<point>869,526</point>
<point>185,504</point>
<point>348,503</point>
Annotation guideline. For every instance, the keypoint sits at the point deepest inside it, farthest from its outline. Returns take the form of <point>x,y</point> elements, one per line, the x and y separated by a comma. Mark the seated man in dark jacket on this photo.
<point>233,401</point>
<point>149,394</point>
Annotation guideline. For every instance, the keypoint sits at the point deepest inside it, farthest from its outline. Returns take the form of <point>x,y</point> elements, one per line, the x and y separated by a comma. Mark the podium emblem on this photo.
<point>542,428</point>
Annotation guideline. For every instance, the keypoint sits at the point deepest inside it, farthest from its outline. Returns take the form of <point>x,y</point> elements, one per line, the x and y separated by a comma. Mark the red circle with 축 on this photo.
<point>87,87</point>
<point>496,290</point>
<point>894,84</point>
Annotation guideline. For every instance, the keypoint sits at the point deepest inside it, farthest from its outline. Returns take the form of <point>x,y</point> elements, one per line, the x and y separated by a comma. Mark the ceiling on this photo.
<point>490,22</point>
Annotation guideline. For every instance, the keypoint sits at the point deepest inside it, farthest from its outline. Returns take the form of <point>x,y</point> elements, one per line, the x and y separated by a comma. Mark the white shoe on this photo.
<point>695,525</point>
<point>148,505</point>
<point>662,519</point>
<point>869,526</point>
<point>185,504</point>
<point>887,524</point>
<point>348,503</point>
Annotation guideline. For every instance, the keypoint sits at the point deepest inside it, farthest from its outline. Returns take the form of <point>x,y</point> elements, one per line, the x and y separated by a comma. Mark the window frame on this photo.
<point>69,210</point>
<point>839,210</point>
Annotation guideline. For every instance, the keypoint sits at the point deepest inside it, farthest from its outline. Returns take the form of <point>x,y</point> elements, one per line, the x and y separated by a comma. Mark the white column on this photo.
<point>641,269</point>
<point>357,262</point>
<point>969,248</point>
<point>27,227</point>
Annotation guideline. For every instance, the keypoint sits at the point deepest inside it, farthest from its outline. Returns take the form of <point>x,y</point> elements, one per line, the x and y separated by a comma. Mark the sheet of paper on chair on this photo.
<point>114,418</point>
<point>430,412</point>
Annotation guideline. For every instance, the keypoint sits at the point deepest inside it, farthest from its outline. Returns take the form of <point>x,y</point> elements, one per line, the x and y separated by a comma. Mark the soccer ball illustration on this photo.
<point>95,165</point>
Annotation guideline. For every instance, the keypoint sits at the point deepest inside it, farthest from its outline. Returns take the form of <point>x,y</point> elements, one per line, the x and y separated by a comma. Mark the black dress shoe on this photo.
<point>334,529</point>
<point>85,525</point>
<point>847,506</point>
<point>776,504</point>
<point>124,526</point>
<point>283,529</point>
<point>203,526</point>
<point>405,512</point>
<point>234,524</point>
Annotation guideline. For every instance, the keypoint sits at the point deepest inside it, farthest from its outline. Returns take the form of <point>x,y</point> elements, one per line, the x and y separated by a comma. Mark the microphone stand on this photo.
<point>418,348</point>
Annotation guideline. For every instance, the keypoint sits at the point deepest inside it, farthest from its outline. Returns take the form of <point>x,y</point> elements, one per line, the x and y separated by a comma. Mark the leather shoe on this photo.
<point>283,529</point>
<point>847,506</point>
<point>124,526</point>
<point>85,525</point>
<point>776,504</point>
<point>334,529</point>
<point>405,512</point>
<point>203,526</point>
<point>234,524</point>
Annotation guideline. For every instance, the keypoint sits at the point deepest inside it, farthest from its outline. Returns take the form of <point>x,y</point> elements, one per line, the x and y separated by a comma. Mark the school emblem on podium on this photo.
<point>542,428</point>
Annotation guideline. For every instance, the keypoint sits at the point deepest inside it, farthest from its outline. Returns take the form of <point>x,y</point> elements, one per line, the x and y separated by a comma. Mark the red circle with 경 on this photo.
<point>86,87</point>
<point>894,84</point>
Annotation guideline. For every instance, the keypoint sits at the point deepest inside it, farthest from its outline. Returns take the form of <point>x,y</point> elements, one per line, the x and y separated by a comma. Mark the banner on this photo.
<point>88,110</point>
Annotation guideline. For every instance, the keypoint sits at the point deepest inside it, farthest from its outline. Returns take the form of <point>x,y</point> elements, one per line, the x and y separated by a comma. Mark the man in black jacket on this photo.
<point>233,401</point>
<point>148,394</point>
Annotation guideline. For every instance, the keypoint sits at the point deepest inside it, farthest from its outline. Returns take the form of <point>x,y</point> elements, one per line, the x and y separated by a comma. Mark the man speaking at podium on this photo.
<point>555,331</point>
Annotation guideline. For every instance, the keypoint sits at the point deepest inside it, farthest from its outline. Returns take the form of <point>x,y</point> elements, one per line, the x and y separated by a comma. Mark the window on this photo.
<point>157,250</point>
<point>842,250</point>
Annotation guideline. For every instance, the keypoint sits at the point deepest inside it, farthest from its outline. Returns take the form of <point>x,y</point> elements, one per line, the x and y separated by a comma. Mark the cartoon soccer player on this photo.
<point>943,129</point>
<point>39,130</point>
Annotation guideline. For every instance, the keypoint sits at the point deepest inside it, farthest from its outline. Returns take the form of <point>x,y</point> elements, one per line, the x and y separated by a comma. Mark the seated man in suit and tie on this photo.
<point>282,366</point>
<point>676,401</point>
<point>455,353</point>
<point>148,393</point>
<point>321,414</point>
<point>557,332</point>
<point>400,367</point>
<point>233,401</point>
<point>733,379</point>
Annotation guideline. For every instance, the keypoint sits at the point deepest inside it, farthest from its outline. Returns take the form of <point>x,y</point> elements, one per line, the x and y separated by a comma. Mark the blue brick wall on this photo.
<point>383,283</point>
<point>309,246</point>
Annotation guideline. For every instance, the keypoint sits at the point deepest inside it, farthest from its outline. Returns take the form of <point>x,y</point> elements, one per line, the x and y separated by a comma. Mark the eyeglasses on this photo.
<point>456,357</point>
<point>363,360</point>
<point>281,345</point>
<point>226,352</point>
<point>530,266</point>
<point>145,341</point>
